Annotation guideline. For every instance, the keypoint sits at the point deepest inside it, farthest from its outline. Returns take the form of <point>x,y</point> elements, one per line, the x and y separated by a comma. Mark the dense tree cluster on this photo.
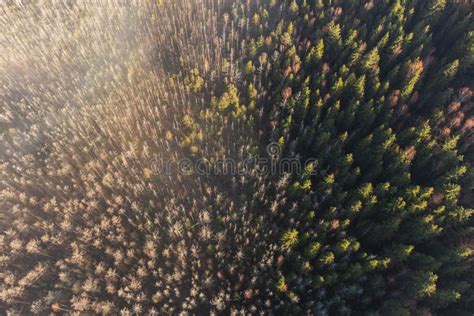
<point>97,98</point>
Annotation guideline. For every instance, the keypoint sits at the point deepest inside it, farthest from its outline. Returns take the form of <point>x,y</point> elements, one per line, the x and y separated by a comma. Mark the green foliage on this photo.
<point>327,258</point>
<point>313,249</point>
<point>316,53</point>
<point>372,100</point>
<point>423,284</point>
<point>290,238</point>
<point>227,99</point>
<point>194,81</point>
<point>281,285</point>
<point>249,68</point>
<point>334,31</point>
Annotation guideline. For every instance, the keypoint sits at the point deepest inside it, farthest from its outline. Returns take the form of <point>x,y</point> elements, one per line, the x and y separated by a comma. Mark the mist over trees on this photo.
<point>97,96</point>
